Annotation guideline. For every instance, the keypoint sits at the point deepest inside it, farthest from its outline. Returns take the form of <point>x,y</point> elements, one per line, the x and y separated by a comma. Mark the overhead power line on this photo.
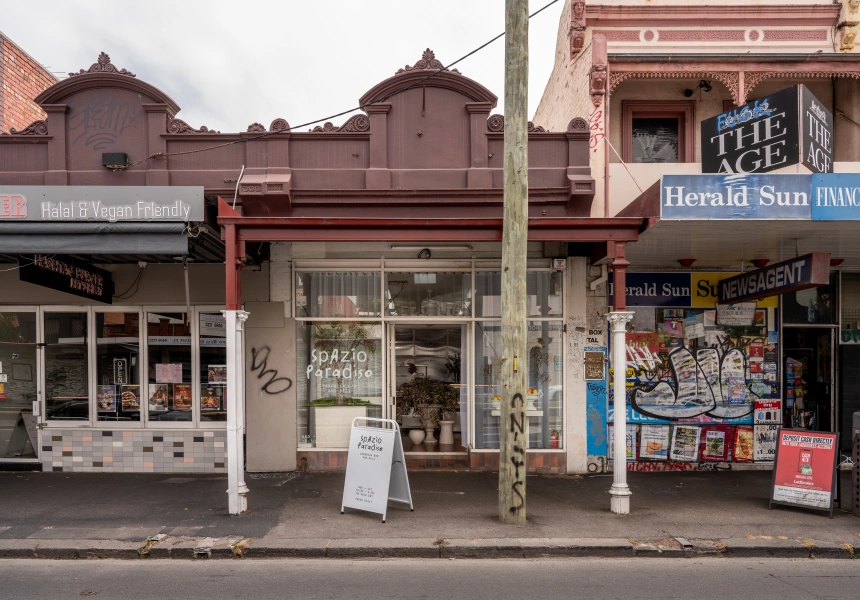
<point>336,115</point>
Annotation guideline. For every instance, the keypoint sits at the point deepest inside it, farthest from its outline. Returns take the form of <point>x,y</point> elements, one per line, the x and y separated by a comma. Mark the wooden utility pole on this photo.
<point>513,426</point>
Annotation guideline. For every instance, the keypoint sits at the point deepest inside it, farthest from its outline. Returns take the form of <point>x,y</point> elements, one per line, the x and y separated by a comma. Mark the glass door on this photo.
<point>18,377</point>
<point>428,382</point>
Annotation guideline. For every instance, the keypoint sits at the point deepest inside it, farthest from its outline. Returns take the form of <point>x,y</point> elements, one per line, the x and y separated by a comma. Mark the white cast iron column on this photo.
<point>236,489</point>
<point>619,492</point>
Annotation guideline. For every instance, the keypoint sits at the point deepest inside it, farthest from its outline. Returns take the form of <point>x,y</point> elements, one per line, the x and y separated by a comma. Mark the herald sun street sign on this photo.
<point>822,196</point>
<point>788,276</point>
<point>786,128</point>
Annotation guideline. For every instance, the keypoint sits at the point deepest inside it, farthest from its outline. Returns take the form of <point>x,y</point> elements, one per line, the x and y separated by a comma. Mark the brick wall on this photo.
<point>21,80</point>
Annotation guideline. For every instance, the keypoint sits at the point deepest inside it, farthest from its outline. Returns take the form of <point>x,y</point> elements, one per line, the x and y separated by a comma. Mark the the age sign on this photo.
<point>13,207</point>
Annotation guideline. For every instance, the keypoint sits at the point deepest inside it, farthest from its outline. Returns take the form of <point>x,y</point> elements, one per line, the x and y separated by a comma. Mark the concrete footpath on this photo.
<point>718,514</point>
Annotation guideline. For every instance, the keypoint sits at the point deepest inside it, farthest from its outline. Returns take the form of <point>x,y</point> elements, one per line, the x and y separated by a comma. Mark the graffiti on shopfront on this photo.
<point>685,384</point>
<point>274,385</point>
<point>575,344</point>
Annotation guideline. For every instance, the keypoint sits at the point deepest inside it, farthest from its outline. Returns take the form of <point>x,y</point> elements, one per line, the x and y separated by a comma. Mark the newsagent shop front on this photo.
<point>762,335</point>
<point>112,340</point>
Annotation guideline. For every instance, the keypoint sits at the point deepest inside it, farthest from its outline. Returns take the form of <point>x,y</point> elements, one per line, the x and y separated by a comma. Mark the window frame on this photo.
<point>682,110</point>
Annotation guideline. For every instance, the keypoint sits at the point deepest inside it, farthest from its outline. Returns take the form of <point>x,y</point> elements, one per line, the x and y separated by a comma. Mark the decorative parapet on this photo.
<point>849,20</point>
<point>103,65</point>
<point>279,124</point>
<point>34,128</point>
<point>428,62</point>
<point>355,124</point>
<point>577,28</point>
<point>180,126</point>
<point>729,79</point>
<point>496,123</point>
<point>256,128</point>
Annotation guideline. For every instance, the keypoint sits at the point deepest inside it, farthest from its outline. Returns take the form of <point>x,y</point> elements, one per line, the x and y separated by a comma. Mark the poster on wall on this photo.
<point>805,470</point>
<point>765,442</point>
<point>210,397</point>
<point>106,398</point>
<point>217,373</point>
<point>685,443</point>
<point>168,373</point>
<point>595,408</point>
<point>768,410</point>
<point>131,398</point>
<point>182,396</point>
<point>716,443</point>
<point>744,446</point>
<point>654,444</point>
<point>158,397</point>
<point>630,442</point>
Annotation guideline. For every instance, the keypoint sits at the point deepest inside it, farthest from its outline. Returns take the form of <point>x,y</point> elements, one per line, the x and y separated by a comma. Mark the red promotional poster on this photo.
<point>744,446</point>
<point>804,472</point>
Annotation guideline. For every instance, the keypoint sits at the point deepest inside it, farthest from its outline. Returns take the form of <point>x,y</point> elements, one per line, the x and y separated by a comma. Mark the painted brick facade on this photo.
<point>21,80</point>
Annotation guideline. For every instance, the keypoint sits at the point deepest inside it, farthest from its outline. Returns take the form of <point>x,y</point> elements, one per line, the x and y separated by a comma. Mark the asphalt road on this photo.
<point>627,579</point>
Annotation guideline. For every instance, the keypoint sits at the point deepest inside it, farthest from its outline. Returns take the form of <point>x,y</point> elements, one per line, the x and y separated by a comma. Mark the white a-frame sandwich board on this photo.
<point>375,468</point>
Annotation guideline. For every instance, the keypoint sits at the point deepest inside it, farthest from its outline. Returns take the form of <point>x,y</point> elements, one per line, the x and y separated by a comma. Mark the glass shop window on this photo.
<point>544,397</point>
<point>339,378</point>
<point>118,366</point>
<point>338,294</point>
<point>66,376</point>
<point>813,305</point>
<point>705,372</point>
<point>18,388</point>
<point>170,394</point>
<point>213,367</point>
<point>428,294</point>
<point>544,290</point>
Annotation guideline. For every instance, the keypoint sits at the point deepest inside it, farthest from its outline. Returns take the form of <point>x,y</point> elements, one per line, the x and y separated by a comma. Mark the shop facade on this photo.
<point>362,279</point>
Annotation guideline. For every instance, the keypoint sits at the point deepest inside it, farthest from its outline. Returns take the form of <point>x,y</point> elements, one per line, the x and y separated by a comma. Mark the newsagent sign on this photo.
<point>788,276</point>
<point>786,128</point>
<point>110,204</point>
<point>66,274</point>
<point>804,473</point>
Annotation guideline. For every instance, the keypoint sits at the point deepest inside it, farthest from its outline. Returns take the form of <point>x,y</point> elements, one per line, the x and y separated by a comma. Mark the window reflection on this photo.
<point>117,366</point>
<point>66,382</point>
<point>169,354</point>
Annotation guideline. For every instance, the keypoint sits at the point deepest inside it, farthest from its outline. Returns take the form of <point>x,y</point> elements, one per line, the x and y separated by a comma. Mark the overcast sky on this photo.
<point>229,64</point>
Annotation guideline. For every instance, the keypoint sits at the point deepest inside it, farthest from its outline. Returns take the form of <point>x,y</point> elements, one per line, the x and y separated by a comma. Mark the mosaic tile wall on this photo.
<point>135,451</point>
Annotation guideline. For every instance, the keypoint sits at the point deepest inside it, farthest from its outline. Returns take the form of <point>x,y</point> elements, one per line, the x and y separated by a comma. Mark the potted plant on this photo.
<point>428,398</point>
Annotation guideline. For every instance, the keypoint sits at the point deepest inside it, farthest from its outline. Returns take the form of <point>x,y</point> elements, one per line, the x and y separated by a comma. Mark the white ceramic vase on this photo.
<point>416,435</point>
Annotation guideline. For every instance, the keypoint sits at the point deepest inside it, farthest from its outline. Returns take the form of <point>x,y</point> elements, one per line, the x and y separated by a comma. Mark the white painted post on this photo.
<point>241,317</point>
<point>619,492</point>
<point>236,488</point>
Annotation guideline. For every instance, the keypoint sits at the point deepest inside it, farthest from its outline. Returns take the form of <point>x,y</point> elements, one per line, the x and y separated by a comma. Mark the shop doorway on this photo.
<point>808,378</point>
<point>428,373</point>
<point>18,380</point>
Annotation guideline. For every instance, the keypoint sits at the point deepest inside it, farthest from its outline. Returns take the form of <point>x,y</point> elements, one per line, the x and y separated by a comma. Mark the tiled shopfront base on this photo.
<point>537,462</point>
<point>135,451</point>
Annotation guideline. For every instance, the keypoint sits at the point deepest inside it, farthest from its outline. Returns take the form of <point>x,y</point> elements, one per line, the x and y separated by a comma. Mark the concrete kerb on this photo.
<point>757,548</point>
<point>201,548</point>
